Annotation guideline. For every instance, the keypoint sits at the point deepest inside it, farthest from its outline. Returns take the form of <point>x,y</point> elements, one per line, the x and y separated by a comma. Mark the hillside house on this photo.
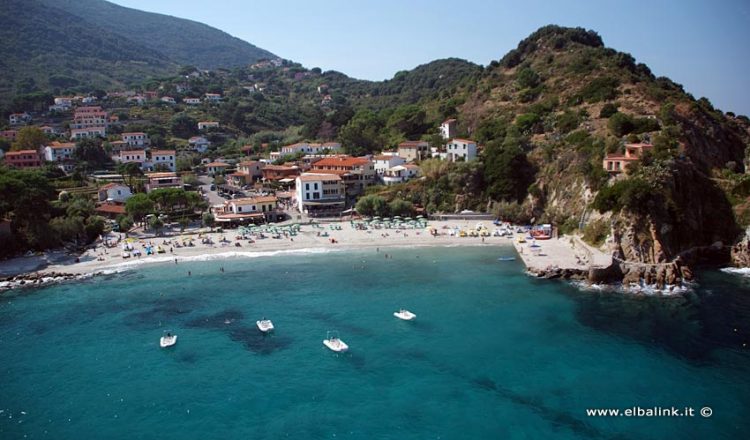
<point>617,163</point>
<point>400,174</point>
<point>90,117</point>
<point>136,139</point>
<point>163,160</point>
<point>160,180</point>
<point>212,97</point>
<point>59,152</point>
<point>19,118</point>
<point>77,134</point>
<point>199,144</point>
<point>131,156</point>
<point>204,125</point>
<point>23,159</point>
<point>214,168</point>
<point>461,149</point>
<point>414,150</point>
<point>448,129</point>
<point>114,193</point>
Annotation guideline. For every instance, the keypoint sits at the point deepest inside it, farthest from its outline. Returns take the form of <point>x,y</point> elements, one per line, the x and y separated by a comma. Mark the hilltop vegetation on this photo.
<point>79,45</point>
<point>182,41</point>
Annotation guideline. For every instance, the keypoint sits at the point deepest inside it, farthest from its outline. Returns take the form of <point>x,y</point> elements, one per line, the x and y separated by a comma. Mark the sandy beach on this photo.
<point>340,235</point>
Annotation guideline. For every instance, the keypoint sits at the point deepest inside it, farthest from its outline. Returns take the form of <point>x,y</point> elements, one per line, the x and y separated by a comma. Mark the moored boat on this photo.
<point>405,315</point>
<point>334,343</point>
<point>265,325</point>
<point>168,340</point>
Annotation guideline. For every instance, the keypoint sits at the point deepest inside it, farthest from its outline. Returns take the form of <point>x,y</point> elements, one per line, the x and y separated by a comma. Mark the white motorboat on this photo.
<point>334,343</point>
<point>404,314</point>
<point>264,325</point>
<point>168,340</point>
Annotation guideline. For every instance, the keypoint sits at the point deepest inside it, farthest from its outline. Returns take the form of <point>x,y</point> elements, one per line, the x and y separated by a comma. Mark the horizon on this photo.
<point>685,31</point>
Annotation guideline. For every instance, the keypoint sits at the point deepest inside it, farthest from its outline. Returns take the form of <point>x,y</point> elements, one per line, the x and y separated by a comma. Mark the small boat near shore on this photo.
<point>405,315</point>
<point>334,343</point>
<point>264,325</point>
<point>168,340</point>
<point>506,259</point>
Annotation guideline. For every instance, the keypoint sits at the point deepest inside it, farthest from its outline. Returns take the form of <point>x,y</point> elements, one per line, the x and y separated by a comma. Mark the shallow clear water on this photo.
<point>492,354</point>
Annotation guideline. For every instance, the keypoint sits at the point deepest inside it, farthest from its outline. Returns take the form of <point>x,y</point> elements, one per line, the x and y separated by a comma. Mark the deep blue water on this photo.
<point>492,354</point>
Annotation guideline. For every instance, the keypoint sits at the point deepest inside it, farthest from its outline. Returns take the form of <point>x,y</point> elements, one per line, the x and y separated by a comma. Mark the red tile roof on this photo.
<point>111,209</point>
<point>340,161</point>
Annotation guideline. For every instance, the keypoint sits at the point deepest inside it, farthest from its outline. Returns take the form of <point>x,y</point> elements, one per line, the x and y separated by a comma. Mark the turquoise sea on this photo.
<point>493,353</point>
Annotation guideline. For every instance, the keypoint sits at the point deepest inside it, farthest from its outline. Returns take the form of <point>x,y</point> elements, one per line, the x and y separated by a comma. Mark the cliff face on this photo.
<point>568,101</point>
<point>741,251</point>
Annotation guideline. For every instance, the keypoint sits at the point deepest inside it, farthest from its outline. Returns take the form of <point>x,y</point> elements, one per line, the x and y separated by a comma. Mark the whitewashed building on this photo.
<point>163,159</point>
<point>461,149</point>
<point>128,156</point>
<point>310,148</point>
<point>203,125</point>
<point>384,162</point>
<point>400,174</point>
<point>84,133</point>
<point>448,129</point>
<point>199,144</point>
<point>59,152</point>
<point>136,139</point>
<point>114,192</point>
<point>320,194</point>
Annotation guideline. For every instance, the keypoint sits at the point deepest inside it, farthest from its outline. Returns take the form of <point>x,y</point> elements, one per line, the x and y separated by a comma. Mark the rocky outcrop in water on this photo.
<point>36,279</point>
<point>740,253</point>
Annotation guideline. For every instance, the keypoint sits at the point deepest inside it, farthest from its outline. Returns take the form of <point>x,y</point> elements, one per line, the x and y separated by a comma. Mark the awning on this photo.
<point>287,180</point>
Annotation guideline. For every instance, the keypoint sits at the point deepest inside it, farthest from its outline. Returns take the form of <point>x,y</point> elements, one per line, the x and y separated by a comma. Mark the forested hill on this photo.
<point>183,41</point>
<point>56,45</point>
<point>46,48</point>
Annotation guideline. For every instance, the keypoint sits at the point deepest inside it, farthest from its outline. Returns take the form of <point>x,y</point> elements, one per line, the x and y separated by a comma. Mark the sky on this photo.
<point>702,44</point>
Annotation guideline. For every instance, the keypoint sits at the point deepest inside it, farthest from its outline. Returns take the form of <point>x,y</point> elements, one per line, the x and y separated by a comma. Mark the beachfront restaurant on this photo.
<point>243,211</point>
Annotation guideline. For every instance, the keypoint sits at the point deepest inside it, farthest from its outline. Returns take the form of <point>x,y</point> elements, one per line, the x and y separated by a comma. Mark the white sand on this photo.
<point>96,260</point>
<point>565,253</point>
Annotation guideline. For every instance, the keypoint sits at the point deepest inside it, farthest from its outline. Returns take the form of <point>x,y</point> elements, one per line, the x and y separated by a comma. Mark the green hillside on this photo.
<point>183,41</point>
<point>44,48</point>
<point>54,46</point>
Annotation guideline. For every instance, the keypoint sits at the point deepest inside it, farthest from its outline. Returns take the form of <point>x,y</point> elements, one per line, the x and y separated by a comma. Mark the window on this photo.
<point>316,186</point>
<point>239,209</point>
<point>307,186</point>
